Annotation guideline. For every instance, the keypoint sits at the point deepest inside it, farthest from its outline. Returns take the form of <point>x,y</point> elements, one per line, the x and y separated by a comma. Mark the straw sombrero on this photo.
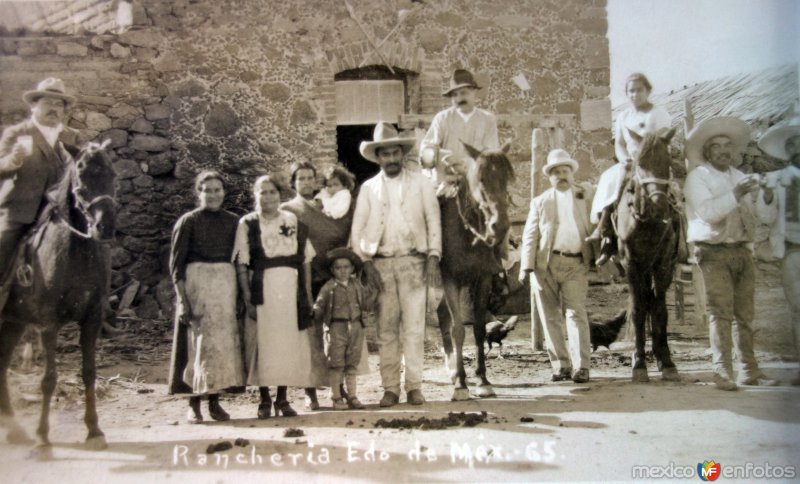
<point>734,128</point>
<point>774,140</point>
<point>385,135</point>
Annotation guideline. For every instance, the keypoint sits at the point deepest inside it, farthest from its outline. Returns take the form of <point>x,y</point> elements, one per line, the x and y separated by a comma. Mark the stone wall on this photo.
<point>247,86</point>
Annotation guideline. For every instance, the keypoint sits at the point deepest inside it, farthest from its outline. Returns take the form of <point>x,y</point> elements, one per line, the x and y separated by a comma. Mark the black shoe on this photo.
<point>216,411</point>
<point>264,410</point>
<point>581,375</point>
<point>283,408</point>
<point>194,415</point>
<point>562,374</point>
<point>415,397</point>
<point>179,387</point>
<point>390,399</point>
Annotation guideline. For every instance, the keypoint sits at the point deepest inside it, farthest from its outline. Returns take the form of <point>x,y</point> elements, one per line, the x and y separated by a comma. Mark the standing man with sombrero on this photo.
<point>33,158</point>
<point>780,207</point>
<point>463,122</point>
<point>721,213</point>
<point>556,255</point>
<point>397,233</point>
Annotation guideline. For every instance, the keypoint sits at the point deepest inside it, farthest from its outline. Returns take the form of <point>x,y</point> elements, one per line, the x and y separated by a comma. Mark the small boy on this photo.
<point>336,196</point>
<point>338,307</point>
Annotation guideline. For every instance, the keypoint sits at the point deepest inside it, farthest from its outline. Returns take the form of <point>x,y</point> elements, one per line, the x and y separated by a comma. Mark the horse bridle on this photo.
<point>482,207</point>
<point>651,180</point>
<point>82,204</point>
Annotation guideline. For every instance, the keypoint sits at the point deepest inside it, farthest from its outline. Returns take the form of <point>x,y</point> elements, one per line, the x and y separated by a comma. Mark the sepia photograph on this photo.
<point>399,240</point>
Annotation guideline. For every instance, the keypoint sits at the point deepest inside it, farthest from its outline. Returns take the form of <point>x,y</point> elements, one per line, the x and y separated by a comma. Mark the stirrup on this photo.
<point>25,275</point>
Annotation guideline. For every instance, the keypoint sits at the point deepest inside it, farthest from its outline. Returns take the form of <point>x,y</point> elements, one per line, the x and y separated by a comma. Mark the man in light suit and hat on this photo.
<point>779,206</point>
<point>33,158</point>
<point>463,122</point>
<point>555,254</point>
<point>397,233</point>
<point>721,213</point>
<point>442,149</point>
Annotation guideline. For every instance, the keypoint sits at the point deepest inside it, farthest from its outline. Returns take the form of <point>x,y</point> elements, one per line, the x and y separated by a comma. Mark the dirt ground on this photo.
<point>532,430</point>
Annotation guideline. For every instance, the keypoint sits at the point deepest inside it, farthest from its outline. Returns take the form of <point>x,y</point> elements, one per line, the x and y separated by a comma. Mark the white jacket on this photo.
<point>419,206</point>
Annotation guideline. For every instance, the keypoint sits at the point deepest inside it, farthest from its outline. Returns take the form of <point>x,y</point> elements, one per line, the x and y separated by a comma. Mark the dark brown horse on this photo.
<point>474,225</point>
<point>646,221</point>
<point>68,274</point>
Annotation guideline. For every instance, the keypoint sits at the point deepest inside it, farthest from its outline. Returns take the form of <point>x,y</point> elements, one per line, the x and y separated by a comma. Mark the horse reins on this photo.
<point>468,226</point>
<point>82,204</point>
<point>642,181</point>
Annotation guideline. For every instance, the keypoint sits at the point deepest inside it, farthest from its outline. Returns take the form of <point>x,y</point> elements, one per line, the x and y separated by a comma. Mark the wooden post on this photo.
<point>539,147</point>
<point>698,283</point>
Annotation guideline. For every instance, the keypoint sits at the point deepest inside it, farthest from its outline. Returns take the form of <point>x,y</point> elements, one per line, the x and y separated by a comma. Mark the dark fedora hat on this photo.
<point>461,78</point>
<point>342,253</point>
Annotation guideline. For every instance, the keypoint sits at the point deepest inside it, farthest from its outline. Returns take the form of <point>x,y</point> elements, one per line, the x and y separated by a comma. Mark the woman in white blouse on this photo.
<point>641,117</point>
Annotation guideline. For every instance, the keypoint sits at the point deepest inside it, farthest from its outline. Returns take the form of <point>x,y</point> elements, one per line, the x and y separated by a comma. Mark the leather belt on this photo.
<point>727,245</point>
<point>567,254</point>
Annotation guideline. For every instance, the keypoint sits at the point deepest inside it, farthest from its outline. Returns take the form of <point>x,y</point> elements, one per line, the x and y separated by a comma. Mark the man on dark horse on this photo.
<point>442,149</point>
<point>33,158</point>
<point>557,258</point>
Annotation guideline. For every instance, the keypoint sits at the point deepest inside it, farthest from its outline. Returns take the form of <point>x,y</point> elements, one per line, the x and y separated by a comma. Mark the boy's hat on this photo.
<point>342,253</point>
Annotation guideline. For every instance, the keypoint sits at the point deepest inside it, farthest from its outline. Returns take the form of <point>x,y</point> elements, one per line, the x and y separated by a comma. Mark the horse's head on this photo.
<point>493,174</point>
<point>652,172</point>
<point>93,187</point>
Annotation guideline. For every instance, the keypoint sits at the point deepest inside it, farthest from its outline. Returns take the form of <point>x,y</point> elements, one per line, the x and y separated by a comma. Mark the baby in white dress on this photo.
<point>336,196</point>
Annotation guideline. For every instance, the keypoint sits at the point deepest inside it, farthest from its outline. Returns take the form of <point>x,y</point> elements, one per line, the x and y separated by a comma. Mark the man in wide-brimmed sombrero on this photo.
<point>721,213</point>
<point>33,158</point>
<point>780,207</point>
<point>397,233</point>
<point>463,122</point>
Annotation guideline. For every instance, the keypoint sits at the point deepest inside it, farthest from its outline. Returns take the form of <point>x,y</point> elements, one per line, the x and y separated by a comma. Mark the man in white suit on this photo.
<point>555,252</point>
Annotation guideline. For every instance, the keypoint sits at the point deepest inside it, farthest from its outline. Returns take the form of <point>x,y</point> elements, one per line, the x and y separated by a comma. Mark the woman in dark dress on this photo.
<point>206,290</point>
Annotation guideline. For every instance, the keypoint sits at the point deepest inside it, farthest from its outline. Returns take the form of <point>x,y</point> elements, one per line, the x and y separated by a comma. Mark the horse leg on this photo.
<point>640,290</point>
<point>480,301</point>
<point>459,376</point>
<point>49,338</point>
<point>90,329</point>
<point>445,327</point>
<point>9,337</point>
<point>659,319</point>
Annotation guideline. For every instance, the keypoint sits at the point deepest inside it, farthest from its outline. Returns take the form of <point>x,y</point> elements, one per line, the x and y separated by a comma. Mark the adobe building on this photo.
<point>250,86</point>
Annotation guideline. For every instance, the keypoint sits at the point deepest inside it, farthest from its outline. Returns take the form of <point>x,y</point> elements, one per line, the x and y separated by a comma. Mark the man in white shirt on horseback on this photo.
<point>442,151</point>
<point>442,148</point>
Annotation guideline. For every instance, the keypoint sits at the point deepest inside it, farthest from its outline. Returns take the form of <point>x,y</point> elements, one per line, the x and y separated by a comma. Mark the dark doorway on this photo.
<point>348,139</point>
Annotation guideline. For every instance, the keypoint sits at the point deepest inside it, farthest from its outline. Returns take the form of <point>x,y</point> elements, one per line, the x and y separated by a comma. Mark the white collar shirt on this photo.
<point>568,237</point>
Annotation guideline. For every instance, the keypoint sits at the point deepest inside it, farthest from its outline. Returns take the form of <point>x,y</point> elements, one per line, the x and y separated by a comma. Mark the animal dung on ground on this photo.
<point>461,419</point>
<point>293,432</point>
<point>240,442</point>
<point>219,447</point>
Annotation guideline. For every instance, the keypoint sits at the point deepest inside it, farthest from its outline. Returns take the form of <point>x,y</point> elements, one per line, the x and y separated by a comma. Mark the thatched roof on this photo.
<point>760,98</point>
